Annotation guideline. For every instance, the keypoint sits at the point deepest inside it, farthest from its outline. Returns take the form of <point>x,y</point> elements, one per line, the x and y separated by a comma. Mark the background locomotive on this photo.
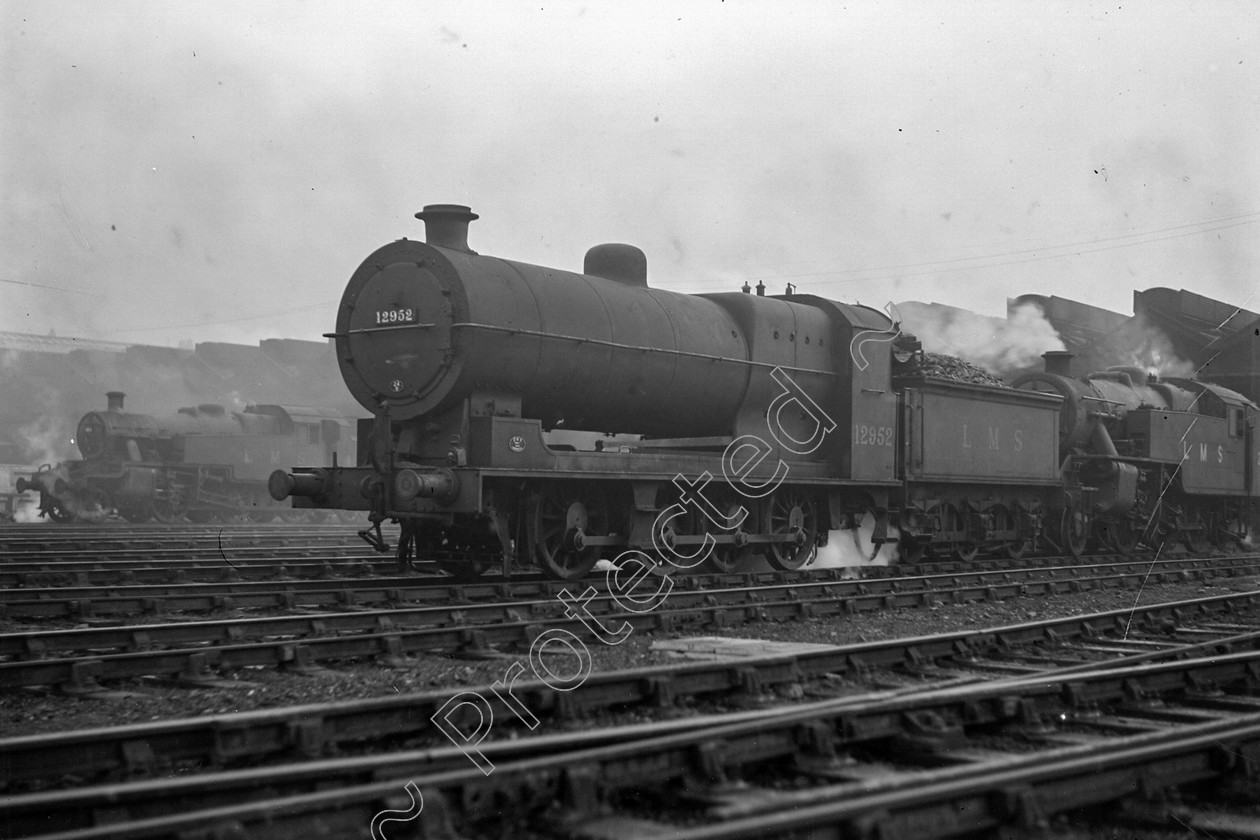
<point>1152,460</point>
<point>201,463</point>
<point>768,421</point>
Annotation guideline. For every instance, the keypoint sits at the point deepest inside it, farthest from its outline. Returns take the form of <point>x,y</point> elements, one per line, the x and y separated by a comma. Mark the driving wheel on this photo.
<point>559,522</point>
<point>791,513</point>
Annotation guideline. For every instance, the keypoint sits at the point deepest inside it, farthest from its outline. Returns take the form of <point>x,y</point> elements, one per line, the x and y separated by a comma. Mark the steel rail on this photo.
<point>93,558</point>
<point>586,768</point>
<point>225,739</point>
<point>136,599</point>
<point>289,593</point>
<point>212,572</point>
<point>447,626</point>
<point>15,538</point>
<point>1021,791</point>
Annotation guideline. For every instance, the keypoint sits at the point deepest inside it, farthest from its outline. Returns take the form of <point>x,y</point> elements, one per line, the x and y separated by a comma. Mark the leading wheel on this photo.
<point>559,522</point>
<point>1074,528</point>
<point>791,513</point>
<point>1119,536</point>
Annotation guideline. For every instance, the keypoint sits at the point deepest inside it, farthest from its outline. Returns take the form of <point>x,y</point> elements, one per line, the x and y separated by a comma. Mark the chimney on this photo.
<point>446,225</point>
<point>1059,362</point>
<point>114,401</point>
<point>761,289</point>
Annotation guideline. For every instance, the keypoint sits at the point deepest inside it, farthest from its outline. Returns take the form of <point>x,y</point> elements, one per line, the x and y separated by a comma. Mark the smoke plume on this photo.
<point>1136,343</point>
<point>1002,346</point>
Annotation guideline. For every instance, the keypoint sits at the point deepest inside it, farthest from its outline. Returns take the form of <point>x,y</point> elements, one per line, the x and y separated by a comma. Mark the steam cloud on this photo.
<point>1136,343</point>
<point>1002,346</point>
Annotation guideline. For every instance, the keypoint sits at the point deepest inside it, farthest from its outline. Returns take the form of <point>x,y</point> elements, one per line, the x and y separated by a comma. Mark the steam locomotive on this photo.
<point>537,417</point>
<point>202,463</point>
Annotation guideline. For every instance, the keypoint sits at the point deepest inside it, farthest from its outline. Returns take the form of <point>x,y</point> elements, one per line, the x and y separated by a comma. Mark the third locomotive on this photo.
<point>200,463</point>
<point>547,418</point>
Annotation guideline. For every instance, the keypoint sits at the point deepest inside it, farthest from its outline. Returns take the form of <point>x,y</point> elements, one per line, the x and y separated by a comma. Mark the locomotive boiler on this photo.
<point>202,462</point>
<point>547,418</point>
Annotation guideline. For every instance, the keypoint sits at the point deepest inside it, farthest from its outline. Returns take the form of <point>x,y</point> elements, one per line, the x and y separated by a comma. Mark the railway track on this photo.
<point>316,565</point>
<point>107,556</point>
<point>923,737</point>
<point>328,768</point>
<point>43,537</point>
<point>367,588</point>
<point>79,660</point>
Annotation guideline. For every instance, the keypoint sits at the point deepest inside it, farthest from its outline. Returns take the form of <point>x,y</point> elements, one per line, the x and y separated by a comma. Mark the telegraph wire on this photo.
<point>223,321</point>
<point>1067,249</point>
<point>1245,218</point>
<point>1042,258</point>
<point>50,288</point>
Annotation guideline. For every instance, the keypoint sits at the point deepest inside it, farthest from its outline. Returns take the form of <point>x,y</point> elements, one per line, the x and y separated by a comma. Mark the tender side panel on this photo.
<point>1211,459</point>
<point>966,434</point>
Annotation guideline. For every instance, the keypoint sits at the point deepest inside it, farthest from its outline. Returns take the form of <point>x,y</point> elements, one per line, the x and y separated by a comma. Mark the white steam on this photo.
<point>47,439</point>
<point>1002,346</point>
<point>1151,350</point>
<point>853,548</point>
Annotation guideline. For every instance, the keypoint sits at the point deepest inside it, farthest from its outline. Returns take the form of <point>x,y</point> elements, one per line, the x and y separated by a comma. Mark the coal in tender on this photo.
<point>939,366</point>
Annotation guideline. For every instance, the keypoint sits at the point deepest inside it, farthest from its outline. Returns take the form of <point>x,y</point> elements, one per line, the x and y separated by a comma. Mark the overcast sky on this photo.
<point>216,171</point>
